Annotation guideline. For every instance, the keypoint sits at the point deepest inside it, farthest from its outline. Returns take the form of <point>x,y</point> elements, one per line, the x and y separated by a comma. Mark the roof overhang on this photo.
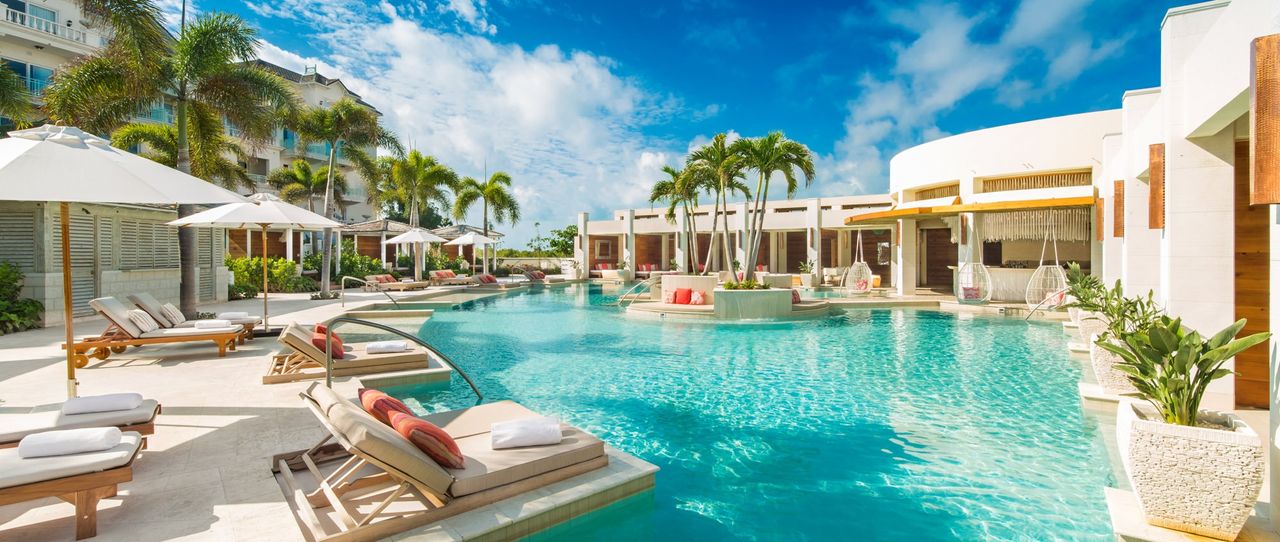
<point>893,215</point>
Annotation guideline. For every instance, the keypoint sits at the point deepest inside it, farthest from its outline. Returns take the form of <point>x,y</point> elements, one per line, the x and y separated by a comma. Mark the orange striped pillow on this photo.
<point>380,405</point>
<point>432,440</point>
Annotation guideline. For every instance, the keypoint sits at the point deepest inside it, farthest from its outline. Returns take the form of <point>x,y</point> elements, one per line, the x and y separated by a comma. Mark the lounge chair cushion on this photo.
<point>382,443</point>
<point>143,320</point>
<point>488,468</point>
<point>109,402</point>
<point>432,440</point>
<point>478,419</point>
<point>189,331</point>
<point>49,417</point>
<point>380,405</point>
<point>16,471</point>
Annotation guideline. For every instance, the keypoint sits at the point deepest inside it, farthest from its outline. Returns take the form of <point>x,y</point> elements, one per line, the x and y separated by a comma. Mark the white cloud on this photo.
<point>472,12</point>
<point>565,124</point>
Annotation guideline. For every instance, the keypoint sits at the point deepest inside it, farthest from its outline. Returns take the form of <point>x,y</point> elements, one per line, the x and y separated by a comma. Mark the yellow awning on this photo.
<point>893,215</point>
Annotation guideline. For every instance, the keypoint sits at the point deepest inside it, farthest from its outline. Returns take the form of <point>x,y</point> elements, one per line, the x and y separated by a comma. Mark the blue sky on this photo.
<point>584,102</point>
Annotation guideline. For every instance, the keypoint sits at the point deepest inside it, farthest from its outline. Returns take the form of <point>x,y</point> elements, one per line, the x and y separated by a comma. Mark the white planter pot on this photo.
<point>1193,479</point>
<point>1091,324</point>
<point>1105,363</point>
<point>806,280</point>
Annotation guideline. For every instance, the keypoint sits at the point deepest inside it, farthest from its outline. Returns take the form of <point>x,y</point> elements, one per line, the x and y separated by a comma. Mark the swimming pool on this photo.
<point>874,424</point>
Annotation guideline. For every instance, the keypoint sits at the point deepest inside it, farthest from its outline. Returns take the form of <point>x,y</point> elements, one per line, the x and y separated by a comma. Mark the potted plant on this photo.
<point>1193,470</point>
<point>806,273</point>
<point>1117,316</point>
<point>1084,293</point>
<point>623,272</point>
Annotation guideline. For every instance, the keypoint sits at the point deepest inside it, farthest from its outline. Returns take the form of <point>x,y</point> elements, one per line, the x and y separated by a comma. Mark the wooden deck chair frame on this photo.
<point>165,324</point>
<point>82,490</point>
<point>115,340</point>
<point>145,429</point>
<point>349,480</point>
<point>291,363</point>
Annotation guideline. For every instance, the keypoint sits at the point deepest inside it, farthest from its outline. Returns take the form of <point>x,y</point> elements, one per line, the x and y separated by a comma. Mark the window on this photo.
<point>43,13</point>
<point>37,77</point>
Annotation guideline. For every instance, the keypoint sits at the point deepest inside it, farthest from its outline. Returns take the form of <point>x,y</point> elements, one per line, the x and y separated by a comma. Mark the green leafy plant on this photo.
<point>503,271</point>
<point>807,266</point>
<point>242,291</point>
<point>1126,315</point>
<point>1085,290</point>
<point>16,313</point>
<point>282,275</point>
<point>749,284</point>
<point>1172,365</point>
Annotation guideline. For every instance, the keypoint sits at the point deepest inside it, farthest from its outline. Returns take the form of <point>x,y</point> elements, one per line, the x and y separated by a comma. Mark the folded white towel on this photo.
<point>387,347</point>
<point>211,324</point>
<point>528,432</point>
<point>69,441</point>
<point>232,315</point>
<point>406,279</point>
<point>110,402</point>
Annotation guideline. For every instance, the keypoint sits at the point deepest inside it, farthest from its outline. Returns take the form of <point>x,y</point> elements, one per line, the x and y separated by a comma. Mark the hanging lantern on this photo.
<point>1047,288</point>
<point>857,280</point>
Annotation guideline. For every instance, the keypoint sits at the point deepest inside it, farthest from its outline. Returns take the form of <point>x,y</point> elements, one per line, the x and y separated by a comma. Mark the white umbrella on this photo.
<point>473,238</point>
<point>415,237</point>
<point>65,164</point>
<point>264,211</point>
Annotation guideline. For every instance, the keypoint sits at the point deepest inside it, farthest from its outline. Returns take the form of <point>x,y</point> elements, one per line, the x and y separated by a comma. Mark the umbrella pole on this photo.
<point>65,211</point>
<point>265,326</point>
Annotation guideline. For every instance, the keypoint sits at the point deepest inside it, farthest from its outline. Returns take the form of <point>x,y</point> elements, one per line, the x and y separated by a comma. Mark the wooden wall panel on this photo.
<point>1100,218</point>
<point>1252,285</point>
<point>1117,209</point>
<point>940,255</point>
<point>1155,201</point>
<point>1264,121</point>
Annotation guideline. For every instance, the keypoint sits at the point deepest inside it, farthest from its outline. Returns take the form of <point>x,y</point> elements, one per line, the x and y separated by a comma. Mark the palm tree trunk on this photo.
<point>728,258</point>
<point>484,224</point>
<point>326,258</point>
<point>757,224</point>
<point>693,234</point>
<point>417,247</point>
<point>188,260</point>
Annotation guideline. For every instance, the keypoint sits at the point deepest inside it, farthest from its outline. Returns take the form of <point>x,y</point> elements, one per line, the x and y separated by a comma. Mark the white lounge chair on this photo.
<point>155,308</point>
<point>302,360</point>
<point>121,333</point>
<point>50,418</point>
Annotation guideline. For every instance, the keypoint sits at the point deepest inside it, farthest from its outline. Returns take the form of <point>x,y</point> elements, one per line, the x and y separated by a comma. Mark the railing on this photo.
<point>328,344</point>
<point>45,26</point>
<point>622,299</point>
<point>342,290</point>
<point>160,115</point>
<point>36,86</point>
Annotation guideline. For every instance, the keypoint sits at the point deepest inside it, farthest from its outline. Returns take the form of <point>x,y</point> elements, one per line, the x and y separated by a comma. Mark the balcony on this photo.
<point>155,114</point>
<point>45,26</point>
<point>35,87</point>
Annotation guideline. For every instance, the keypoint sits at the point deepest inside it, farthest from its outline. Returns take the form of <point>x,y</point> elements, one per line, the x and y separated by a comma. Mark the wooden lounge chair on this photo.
<point>536,276</point>
<point>490,282</point>
<point>121,334</point>
<point>445,277</point>
<point>79,479</point>
<point>302,360</point>
<point>153,306</point>
<point>140,420</point>
<point>384,485</point>
<point>388,282</point>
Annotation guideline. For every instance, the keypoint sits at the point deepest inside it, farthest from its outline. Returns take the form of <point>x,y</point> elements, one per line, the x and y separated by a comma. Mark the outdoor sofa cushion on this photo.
<point>16,471</point>
<point>488,468</point>
<point>50,417</point>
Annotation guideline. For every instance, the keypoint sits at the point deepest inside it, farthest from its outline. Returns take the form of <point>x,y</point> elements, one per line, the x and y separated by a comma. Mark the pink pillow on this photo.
<point>380,405</point>
<point>970,292</point>
<point>697,299</point>
<point>669,297</point>
<point>318,339</point>
<point>429,438</point>
<point>795,296</point>
<point>759,268</point>
<point>683,295</point>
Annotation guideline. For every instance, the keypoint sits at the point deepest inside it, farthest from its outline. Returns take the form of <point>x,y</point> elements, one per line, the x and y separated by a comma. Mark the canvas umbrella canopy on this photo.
<point>64,164</point>
<point>473,238</point>
<point>415,237</point>
<point>263,211</point>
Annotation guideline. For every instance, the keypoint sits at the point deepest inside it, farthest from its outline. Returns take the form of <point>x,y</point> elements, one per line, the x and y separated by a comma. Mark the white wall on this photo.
<point>1140,262</point>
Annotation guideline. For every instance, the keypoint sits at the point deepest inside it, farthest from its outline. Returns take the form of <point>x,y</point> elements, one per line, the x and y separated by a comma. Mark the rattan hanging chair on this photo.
<point>1047,289</point>
<point>857,280</point>
<point>973,284</point>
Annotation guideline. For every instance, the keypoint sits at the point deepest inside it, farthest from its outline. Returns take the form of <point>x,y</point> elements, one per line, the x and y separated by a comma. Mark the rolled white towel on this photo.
<point>528,432</point>
<point>69,441</point>
<point>110,402</point>
<point>232,315</point>
<point>212,324</point>
<point>387,347</point>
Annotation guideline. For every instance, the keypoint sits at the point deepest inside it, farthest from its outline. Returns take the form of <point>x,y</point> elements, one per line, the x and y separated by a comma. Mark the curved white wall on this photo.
<point>1057,143</point>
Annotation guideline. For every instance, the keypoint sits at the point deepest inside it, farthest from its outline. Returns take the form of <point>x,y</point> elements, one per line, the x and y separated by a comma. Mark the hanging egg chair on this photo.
<point>857,280</point>
<point>973,284</point>
<point>1047,289</point>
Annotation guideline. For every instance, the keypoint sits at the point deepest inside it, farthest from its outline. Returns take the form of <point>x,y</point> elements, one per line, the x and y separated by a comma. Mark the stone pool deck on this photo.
<point>206,472</point>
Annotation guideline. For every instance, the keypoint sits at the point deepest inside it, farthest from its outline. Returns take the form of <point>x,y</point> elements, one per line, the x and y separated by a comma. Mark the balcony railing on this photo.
<point>48,27</point>
<point>36,86</point>
<point>160,115</point>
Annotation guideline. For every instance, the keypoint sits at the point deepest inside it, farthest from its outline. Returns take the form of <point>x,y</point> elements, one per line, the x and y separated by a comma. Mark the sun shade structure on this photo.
<point>415,237</point>
<point>64,164</point>
<point>262,211</point>
<point>857,280</point>
<point>473,238</point>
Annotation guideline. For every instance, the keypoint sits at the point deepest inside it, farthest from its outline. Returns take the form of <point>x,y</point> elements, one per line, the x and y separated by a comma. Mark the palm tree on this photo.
<point>15,98</point>
<point>207,71</point>
<point>768,155</point>
<point>493,194</point>
<point>412,182</point>
<point>725,171</point>
<point>209,145</point>
<point>298,183</point>
<point>355,128</point>
<point>680,192</point>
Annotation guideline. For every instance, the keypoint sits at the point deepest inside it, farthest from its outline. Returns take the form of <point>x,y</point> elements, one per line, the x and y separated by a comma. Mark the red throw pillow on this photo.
<point>321,328</point>
<point>432,440</point>
<point>683,296</point>
<point>447,273</point>
<point>795,296</point>
<point>319,341</point>
<point>380,405</point>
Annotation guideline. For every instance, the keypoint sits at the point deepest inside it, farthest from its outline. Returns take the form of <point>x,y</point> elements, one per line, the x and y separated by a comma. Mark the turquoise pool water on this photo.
<point>869,425</point>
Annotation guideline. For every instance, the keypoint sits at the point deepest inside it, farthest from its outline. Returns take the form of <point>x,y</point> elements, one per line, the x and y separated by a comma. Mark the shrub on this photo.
<point>503,271</point>
<point>404,260</point>
<point>745,285</point>
<point>16,313</point>
<point>281,275</point>
<point>241,291</point>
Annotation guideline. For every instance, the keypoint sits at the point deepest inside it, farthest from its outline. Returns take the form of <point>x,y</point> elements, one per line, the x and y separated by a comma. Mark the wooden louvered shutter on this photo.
<point>1155,208</point>
<point>1117,208</point>
<point>18,239</point>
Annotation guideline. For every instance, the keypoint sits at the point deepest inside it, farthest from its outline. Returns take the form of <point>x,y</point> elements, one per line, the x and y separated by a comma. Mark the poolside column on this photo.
<point>904,275</point>
<point>288,249</point>
<point>813,233</point>
<point>629,242</point>
<point>248,243</point>
<point>682,257</point>
<point>382,249</point>
<point>580,252</point>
